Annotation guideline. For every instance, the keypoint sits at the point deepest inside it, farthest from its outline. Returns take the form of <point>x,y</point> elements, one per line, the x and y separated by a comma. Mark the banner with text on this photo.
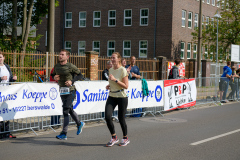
<point>179,93</point>
<point>92,95</point>
<point>29,100</point>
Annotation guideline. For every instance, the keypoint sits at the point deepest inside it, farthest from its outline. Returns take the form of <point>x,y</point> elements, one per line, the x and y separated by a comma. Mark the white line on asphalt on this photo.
<point>215,137</point>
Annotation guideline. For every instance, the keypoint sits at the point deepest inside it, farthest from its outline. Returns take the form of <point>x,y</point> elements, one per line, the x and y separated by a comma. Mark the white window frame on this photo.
<point>208,1</point>
<point>67,48</point>
<point>182,50</point>
<point>96,19</point>
<point>184,18</point>
<point>203,17</point>
<point>126,49</point>
<point>126,18</point>
<point>143,49</point>
<point>196,20</point>
<point>112,18</point>
<point>144,17</point>
<point>189,51</point>
<point>83,19</point>
<point>108,49</point>
<point>203,1</point>
<point>81,48</point>
<point>207,22</point>
<point>195,51</point>
<point>94,49</point>
<point>68,20</point>
<point>213,2</point>
<point>190,20</point>
<point>218,3</point>
<point>205,52</point>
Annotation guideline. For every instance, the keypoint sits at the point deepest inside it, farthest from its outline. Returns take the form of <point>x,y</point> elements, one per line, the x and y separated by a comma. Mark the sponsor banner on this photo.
<point>29,100</point>
<point>91,96</point>
<point>181,68</point>
<point>179,93</point>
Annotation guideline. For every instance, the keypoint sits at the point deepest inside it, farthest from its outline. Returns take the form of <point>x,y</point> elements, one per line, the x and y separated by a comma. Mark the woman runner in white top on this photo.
<point>118,81</point>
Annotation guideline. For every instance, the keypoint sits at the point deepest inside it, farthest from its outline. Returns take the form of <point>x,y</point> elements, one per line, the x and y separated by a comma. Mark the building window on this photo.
<point>127,17</point>
<point>203,1</point>
<point>218,3</point>
<point>96,46</point>
<point>182,50</point>
<point>68,20</point>
<point>143,17</point>
<point>126,48</point>
<point>195,51</point>
<point>96,19</point>
<point>208,1</point>
<point>196,21</point>
<point>81,47</point>
<point>188,50</point>
<point>206,52</point>
<point>68,46</point>
<point>213,2</point>
<point>183,18</point>
<point>112,18</point>
<point>110,48</point>
<point>82,19</point>
<point>143,46</point>
<point>207,22</point>
<point>202,21</point>
<point>46,39</point>
<point>189,19</point>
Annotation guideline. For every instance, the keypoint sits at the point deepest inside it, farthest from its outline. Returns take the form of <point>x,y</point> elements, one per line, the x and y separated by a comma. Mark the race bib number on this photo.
<point>64,90</point>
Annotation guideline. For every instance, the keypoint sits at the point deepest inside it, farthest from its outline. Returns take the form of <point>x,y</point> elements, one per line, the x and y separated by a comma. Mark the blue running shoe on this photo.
<point>62,136</point>
<point>79,128</point>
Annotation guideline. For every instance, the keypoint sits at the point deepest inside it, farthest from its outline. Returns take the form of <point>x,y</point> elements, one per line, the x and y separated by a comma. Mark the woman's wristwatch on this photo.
<point>116,81</point>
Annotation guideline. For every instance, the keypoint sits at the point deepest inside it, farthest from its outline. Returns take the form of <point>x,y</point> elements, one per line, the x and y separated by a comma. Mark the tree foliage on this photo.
<point>228,31</point>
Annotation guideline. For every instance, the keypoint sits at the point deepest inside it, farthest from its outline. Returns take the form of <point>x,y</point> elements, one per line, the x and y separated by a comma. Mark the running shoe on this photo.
<point>62,136</point>
<point>79,128</point>
<point>112,142</point>
<point>124,142</point>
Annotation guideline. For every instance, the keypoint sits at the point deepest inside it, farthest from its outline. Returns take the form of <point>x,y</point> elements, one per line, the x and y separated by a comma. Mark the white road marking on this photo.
<point>215,137</point>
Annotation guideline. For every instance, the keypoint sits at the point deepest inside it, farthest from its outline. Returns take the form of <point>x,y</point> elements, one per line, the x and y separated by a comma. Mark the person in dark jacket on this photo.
<point>105,73</point>
<point>174,72</point>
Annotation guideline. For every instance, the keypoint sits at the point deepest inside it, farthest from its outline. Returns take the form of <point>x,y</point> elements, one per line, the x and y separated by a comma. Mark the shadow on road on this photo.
<point>40,141</point>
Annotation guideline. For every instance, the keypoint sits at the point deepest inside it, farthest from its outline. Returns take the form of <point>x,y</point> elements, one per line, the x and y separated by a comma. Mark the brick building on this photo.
<point>145,29</point>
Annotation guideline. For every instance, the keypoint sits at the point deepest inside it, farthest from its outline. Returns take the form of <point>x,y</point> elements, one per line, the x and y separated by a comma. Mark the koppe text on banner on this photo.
<point>92,96</point>
<point>179,93</point>
<point>29,100</point>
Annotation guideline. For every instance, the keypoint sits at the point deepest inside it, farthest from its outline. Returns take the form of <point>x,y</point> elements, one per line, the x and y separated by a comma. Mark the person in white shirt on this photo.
<point>6,75</point>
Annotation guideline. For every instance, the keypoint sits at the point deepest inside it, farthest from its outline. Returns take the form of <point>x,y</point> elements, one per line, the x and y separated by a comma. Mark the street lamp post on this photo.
<point>216,16</point>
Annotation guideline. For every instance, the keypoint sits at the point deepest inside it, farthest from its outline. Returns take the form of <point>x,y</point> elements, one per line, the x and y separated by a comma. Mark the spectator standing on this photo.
<point>233,84</point>
<point>124,63</point>
<point>174,72</point>
<point>134,70</point>
<point>6,76</point>
<point>105,73</point>
<point>224,82</point>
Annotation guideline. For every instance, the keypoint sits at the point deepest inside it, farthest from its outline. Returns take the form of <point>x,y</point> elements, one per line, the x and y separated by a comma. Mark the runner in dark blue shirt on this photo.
<point>134,69</point>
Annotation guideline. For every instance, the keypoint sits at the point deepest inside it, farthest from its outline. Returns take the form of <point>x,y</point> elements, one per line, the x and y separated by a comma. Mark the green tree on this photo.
<point>228,30</point>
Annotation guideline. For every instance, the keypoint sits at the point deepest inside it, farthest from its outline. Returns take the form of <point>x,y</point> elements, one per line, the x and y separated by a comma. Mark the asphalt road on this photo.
<point>210,133</point>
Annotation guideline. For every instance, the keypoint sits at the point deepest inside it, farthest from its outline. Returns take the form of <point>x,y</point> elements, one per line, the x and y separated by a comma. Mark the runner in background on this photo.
<point>64,73</point>
<point>118,81</point>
